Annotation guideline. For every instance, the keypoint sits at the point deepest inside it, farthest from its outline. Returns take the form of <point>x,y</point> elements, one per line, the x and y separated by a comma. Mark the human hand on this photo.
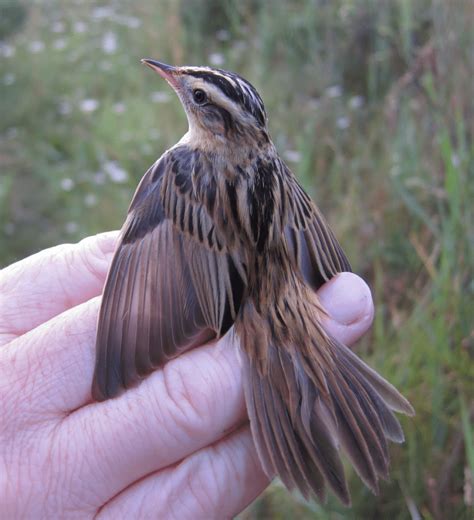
<point>176,446</point>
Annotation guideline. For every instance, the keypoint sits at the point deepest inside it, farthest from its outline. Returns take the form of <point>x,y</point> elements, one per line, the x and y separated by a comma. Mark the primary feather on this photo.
<point>220,234</point>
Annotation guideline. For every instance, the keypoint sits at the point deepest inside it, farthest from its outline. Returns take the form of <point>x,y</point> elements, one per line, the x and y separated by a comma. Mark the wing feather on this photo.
<point>167,290</point>
<point>311,243</point>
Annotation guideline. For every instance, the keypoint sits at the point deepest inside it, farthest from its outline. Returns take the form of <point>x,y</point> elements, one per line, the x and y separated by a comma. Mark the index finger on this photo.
<point>46,284</point>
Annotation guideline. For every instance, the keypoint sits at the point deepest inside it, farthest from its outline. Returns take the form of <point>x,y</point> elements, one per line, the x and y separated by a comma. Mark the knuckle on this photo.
<point>10,315</point>
<point>188,399</point>
<point>94,254</point>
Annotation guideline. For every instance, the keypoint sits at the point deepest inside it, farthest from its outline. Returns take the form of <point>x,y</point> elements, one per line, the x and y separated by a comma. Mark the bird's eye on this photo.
<point>199,96</point>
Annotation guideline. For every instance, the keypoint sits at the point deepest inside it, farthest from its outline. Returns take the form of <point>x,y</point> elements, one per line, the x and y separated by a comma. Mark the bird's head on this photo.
<point>222,108</point>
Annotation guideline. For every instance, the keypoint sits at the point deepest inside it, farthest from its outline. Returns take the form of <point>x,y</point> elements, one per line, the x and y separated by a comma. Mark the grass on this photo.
<point>370,102</point>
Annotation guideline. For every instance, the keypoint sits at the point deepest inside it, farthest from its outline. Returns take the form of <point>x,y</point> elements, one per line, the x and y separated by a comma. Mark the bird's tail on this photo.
<point>308,401</point>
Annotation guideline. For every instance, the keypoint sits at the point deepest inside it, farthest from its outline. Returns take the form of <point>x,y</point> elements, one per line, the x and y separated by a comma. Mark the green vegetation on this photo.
<point>371,103</point>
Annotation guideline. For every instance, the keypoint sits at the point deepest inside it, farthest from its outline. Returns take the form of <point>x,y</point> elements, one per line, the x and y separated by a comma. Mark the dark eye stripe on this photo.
<point>221,83</point>
<point>244,94</point>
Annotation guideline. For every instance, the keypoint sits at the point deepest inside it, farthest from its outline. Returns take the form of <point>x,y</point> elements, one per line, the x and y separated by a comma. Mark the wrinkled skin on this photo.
<point>176,446</point>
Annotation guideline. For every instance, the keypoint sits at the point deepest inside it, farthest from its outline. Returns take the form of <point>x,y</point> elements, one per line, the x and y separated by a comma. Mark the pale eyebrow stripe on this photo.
<point>234,87</point>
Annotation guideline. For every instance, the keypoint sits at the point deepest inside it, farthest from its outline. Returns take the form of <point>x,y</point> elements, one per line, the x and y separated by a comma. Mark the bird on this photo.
<point>221,238</point>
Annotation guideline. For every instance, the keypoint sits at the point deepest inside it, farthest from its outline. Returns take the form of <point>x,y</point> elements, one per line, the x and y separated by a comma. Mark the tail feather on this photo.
<point>391,396</point>
<point>390,424</point>
<point>285,444</point>
<point>356,434</point>
<point>300,426</point>
<point>290,445</point>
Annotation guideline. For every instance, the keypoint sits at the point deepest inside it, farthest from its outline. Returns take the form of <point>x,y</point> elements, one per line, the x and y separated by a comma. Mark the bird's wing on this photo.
<point>312,244</point>
<point>167,290</point>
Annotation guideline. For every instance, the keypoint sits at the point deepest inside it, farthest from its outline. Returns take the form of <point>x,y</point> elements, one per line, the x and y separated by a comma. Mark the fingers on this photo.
<point>348,302</point>
<point>42,286</point>
<point>216,482</point>
<point>192,402</point>
<point>195,400</point>
<point>47,372</point>
<point>51,367</point>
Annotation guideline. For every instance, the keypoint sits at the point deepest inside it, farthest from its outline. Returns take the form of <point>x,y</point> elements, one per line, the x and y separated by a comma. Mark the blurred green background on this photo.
<point>370,102</point>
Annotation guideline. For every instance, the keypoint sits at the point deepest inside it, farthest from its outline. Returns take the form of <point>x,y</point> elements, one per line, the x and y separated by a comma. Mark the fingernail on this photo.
<point>346,298</point>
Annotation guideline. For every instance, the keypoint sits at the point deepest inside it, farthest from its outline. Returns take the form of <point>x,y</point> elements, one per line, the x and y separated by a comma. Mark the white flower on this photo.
<point>395,168</point>
<point>9,79</point>
<point>36,46</point>
<point>9,228</point>
<point>160,96</point>
<point>11,132</point>
<point>109,42</point>
<point>115,172</point>
<point>7,51</point>
<point>216,58</point>
<point>64,107</point>
<point>71,227</point>
<point>90,200</point>
<point>99,13</point>
<point>334,91</point>
<point>88,105</point>
<point>58,27</point>
<point>99,178</point>
<point>67,184</point>
<point>79,27</point>
<point>59,44</point>
<point>343,122</point>
<point>240,45</point>
<point>292,156</point>
<point>119,107</point>
<point>223,35</point>
<point>129,21</point>
<point>314,103</point>
<point>147,149</point>
<point>356,102</point>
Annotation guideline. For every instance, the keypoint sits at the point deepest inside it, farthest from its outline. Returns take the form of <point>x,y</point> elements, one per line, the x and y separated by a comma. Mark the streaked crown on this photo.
<point>220,105</point>
<point>233,87</point>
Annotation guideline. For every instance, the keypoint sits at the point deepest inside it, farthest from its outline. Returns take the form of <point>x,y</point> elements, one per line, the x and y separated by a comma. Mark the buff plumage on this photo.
<point>221,238</point>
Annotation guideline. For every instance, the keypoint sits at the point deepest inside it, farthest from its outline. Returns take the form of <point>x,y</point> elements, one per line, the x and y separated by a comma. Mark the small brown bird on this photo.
<point>220,236</point>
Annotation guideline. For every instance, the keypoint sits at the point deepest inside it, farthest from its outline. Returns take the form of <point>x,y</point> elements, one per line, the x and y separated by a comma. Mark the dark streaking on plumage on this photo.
<point>220,234</point>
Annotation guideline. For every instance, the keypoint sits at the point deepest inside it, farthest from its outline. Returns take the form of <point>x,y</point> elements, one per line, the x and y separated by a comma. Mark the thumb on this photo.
<point>348,302</point>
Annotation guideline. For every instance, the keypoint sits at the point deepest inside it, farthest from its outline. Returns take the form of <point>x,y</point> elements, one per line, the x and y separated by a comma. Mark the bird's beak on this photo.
<point>167,72</point>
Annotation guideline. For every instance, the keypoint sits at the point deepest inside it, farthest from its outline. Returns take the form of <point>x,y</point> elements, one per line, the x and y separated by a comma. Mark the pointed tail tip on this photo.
<point>346,500</point>
<point>99,390</point>
<point>97,393</point>
<point>407,408</point>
